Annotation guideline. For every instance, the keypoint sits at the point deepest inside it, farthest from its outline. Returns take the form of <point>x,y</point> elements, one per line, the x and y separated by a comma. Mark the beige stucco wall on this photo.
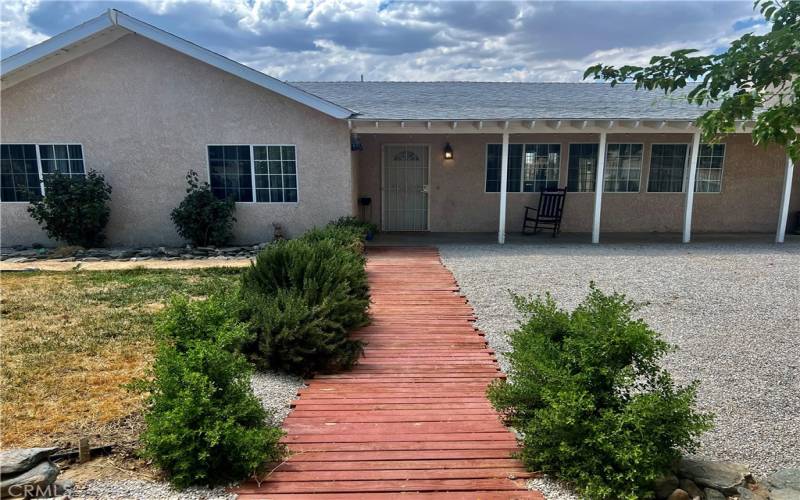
<point>145,113</point>
<point>751,187</point>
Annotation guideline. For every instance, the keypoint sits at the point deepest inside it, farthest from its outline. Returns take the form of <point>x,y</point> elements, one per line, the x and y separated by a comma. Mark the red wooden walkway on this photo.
<point>412,418</point>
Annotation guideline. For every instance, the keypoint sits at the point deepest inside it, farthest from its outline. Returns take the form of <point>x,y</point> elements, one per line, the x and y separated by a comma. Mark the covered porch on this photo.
<point>449,183</point>
<point>426,238</point>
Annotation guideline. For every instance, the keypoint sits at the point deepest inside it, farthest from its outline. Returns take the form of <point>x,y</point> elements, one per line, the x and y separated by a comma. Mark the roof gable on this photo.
<point>114,24</point>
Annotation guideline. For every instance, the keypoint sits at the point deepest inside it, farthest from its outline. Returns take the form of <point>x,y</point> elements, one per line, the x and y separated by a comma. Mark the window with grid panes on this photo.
<point>623,169</point>
<point>23,166</point>
<point>531,167</point>
<point>582,172</point>
<point>709,168</point>
<point>667,168</point>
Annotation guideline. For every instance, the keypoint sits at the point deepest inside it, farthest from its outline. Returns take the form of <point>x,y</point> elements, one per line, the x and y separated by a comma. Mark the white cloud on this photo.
<point>342,39</point>
<point>14,28</point>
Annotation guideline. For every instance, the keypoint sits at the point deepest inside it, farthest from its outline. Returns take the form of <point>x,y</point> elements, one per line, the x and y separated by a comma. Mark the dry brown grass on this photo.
<point>71,341</point>
<point>115,265</point>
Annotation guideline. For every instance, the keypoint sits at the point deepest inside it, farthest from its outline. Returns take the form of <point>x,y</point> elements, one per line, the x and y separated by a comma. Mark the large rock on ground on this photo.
<point>665,485</point>
<point>712,494</point>
<point>679,495</point>
<point>786,478</point>
<point>689,487</point>
<point>34,482</point>
<point>784,494</point>
<point>722,476</point>
<point>756,494</point>
<point>21,459</point>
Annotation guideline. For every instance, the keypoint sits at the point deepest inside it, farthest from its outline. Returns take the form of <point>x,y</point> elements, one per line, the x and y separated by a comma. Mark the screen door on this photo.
<point>405,187</point>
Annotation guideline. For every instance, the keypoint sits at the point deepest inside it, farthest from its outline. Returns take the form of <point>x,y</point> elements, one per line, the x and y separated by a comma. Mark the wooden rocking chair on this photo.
<point>548,214</point>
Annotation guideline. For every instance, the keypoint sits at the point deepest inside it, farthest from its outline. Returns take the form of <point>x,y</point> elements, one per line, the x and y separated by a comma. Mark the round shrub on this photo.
<point>74,209</point>
<point>204,426</point>
<point>302,297</point>
<point>590,399</point>
<point>202,218</point>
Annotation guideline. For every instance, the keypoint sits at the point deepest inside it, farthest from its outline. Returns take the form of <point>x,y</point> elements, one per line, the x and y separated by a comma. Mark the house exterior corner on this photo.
<point>145,115</point>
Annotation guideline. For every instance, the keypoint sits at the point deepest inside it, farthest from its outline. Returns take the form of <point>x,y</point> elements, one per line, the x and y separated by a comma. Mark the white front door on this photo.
<point>405,187</point>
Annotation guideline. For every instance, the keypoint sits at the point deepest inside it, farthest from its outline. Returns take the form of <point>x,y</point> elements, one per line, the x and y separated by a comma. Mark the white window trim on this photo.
<point>606,169</point>
<point>39,162</point>
<point>686,161</point>
<point>721,170</point>
<point>568,159</point>
<point>523,144</point>
<point>253,172</point>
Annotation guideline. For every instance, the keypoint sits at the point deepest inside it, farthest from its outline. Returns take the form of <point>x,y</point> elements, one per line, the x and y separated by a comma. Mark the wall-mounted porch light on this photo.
<point>448,152</point>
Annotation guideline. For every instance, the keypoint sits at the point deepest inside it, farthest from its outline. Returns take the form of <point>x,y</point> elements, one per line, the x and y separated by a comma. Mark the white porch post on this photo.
<point>598,187</point>
<point>787,192</point>
<point>501,231</point>
<point>687,209</point>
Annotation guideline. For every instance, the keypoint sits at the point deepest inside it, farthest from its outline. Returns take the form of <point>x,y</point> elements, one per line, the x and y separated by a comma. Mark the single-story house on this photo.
<point>144,106</point>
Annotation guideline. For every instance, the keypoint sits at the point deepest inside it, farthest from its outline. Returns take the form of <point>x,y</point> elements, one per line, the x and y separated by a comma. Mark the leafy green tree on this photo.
<point>755,79</point>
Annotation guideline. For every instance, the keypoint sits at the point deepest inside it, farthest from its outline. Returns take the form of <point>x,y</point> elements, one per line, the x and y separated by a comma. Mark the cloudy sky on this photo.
<point>411,40</point>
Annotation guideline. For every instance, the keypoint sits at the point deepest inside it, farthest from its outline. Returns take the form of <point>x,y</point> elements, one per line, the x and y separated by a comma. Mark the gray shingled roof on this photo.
<point>501,101</point>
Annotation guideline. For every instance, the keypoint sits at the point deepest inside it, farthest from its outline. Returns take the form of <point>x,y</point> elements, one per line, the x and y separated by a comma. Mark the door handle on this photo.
<point>424,188</point>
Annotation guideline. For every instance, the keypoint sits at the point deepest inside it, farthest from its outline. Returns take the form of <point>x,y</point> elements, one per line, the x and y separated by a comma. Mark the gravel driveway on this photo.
<point>733,310</point>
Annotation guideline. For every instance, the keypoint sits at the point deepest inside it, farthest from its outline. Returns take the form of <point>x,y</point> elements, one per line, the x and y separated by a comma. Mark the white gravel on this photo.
<point>274,390</point>
<point>144,490</point>
<point>733,310</point>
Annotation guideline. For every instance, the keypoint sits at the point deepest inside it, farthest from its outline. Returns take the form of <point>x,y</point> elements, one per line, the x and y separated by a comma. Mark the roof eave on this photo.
<point>55,44</point>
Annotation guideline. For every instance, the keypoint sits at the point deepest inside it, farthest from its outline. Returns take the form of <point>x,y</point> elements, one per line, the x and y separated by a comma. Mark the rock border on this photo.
<point>23,254</point>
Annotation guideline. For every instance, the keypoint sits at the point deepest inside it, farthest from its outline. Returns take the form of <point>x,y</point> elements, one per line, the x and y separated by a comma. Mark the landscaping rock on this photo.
<point>679,494</point>
<point>689,487</point>
<point>19,460</point>
<point>63,487</point>
<point>722,476</point>
<point>37,478</point>
<point>785,478</point>
<point>712,494</point>
<point>784,494</point>
<point>748,494</point>
<point>18,259</point>
<point>665,486</point>
<point>25,254</point>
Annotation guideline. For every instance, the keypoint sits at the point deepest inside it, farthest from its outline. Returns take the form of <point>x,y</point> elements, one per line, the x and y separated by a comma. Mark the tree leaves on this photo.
<point>756,79</point>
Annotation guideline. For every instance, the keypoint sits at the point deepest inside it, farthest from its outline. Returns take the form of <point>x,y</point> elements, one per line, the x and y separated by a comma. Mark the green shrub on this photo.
<point>354,224</point>
<point>347,232</point>
<point>203,424</point>
<point>590,399</point>
<point>74,209</point>
<point>201,217</point>
<point>302,297</point>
